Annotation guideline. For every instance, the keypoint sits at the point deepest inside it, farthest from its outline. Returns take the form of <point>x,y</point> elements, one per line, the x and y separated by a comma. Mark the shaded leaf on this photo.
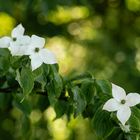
<point>102,123</point>
<point>25,80</point>
<point>79,100</point>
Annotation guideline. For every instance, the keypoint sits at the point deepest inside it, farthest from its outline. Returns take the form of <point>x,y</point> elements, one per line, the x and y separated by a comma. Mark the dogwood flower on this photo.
<point>121,103</point>
<point>17,43</point>
<point>38,54</point>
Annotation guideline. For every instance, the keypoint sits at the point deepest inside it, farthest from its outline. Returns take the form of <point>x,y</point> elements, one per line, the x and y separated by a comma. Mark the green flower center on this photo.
<point>14,39</point>
<point>36,49</point>
<point>123,101</point>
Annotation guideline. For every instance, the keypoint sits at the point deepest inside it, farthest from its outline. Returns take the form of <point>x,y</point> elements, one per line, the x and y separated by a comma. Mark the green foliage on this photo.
<point>109,33</point>
<point>81,95</point>
<point>79,103</point>
<point>102,123</point>
<point>26,80</point>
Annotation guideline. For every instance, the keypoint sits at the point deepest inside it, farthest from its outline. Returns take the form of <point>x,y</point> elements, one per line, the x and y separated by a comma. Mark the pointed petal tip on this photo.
<point>18,31</point>
<point>118,92</point>
<point>123,114</point>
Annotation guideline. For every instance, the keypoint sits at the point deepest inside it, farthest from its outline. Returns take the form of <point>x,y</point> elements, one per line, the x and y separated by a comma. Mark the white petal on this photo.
<point>111,105</point>
<point>5,42</point>
<point>18,31</point>
<point>133,99</point>
<point>123,114</point>
<point>118,93</point>
<point>35,61</point>
<point>20,46</point>
<point>47,56</point>
<point>13,49</point>
<point>37,42</point>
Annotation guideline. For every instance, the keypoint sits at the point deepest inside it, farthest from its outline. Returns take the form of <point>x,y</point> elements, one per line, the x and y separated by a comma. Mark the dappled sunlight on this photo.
<point>65,14</point>
<point>7,23</point>
<point>83,30</point>
<point>133,5</point>
<point>35,116</point>
<point>97,37</point>
<point>70,55</point>
<point>58,127</point>
<point>49,114</point>
<point>80,127</point>
<point>137,58</point>
<point>107,72</point>
<point>61,129</point>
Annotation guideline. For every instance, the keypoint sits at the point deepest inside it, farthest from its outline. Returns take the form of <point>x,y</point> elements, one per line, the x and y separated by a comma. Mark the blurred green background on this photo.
<point>99,36</point>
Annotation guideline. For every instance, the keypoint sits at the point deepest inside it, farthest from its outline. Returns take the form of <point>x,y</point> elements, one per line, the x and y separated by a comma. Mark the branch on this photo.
<point>5,90</point>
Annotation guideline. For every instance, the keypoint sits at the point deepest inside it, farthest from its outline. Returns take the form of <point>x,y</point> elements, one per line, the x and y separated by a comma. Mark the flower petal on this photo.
<point>118,93</point>
<point>20,46</point>
<point>123,114</point>
<point>37,42</point>
<point>47,56</point>
<point>18,31</point>
<point>35,61</point>
<point>133,99</point>
<point>4,42</point>
<point>111,105</point>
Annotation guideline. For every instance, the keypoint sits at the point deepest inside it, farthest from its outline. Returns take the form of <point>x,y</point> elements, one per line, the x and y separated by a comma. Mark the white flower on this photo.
<point>121,103</point>
<point>17,43</point>
<point>38,54</point>
<point>5,42</point>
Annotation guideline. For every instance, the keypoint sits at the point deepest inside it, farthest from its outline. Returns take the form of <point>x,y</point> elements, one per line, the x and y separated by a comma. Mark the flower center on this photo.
<point>14,38</point>
<point>123,101</point>
<point>36,50</point>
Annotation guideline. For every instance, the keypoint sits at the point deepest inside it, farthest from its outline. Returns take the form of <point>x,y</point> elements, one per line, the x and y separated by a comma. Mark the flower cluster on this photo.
<point>121,103</point>
<point>20,44</point>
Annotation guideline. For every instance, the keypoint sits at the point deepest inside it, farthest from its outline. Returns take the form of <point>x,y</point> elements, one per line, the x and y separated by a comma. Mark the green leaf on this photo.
<point>83,76</point>
<point>38,72</point>
<point>4,61</point>
<point>132,137</point>
<point>4,65</point>
<point>43,103</point>
<point>25,80</point>
<point>104,86</point>
<point>134,123</point>
<point>23,106</point>
<point>4,52</point>
<point>102,123</point>
<point>40,78</point>
<point>58,84</point>
<point>51,94</point>
<point>60,108</point>
<point>116,134</point>
<point>46,69</point>
<point>79,100</point>
<point>136,112</point>
<point>88,90</point>
<point>56,81</point>
<point>134,120</point>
